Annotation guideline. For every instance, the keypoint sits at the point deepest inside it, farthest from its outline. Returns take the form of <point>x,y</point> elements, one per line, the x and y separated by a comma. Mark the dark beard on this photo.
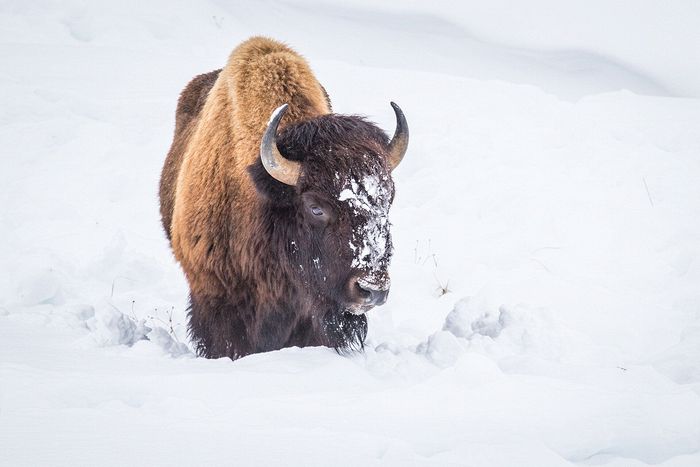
<point>345,331</point>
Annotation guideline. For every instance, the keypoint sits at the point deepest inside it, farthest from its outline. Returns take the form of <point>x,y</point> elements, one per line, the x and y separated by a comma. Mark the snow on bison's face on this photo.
<point>336,192</point>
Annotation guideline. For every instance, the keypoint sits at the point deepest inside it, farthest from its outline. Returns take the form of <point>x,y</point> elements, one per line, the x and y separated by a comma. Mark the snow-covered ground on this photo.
<point>545,307</point>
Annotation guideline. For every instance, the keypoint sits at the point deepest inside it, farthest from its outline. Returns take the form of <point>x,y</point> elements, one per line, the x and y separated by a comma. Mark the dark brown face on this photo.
<point>339,240</point>
<point>345,225</point>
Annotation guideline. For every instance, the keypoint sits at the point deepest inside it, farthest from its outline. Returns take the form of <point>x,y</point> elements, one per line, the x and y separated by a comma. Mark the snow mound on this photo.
<point>40,287</point>
<point>108,326</point>
<point>681,362</point>
<point>505,330</point>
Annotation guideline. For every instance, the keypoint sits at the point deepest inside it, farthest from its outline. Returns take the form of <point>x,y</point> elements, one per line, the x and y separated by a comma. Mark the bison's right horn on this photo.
<point>399,143</point>
<point>277,166</point>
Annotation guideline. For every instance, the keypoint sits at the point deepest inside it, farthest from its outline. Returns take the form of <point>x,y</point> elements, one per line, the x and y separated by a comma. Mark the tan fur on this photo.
<point>189,106</point>
<point>213,150</point>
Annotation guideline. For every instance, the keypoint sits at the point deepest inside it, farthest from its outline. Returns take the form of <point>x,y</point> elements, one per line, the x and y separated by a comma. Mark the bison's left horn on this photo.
<point>277,166</point>
<point>399,143</point>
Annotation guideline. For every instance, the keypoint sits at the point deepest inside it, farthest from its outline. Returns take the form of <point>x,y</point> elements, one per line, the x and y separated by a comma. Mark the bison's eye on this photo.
<point>317,209</point>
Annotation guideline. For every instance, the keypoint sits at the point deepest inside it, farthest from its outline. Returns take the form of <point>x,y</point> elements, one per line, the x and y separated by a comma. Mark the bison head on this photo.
<point>328,188</point>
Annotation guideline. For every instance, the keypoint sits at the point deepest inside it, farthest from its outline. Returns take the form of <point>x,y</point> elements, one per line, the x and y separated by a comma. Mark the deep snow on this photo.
<point>545,307</point>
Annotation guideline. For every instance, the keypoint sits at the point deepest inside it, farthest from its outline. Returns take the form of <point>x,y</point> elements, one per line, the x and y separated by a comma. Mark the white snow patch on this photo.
<point>347,194</point>
<point>369,200</point>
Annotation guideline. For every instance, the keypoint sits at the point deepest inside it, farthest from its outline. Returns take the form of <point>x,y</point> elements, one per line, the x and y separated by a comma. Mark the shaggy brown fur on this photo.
<point>188,108</point>
<point>230,224</point>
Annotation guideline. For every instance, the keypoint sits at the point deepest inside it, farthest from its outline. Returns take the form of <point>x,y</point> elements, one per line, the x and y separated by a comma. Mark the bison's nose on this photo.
<point>372,295</point>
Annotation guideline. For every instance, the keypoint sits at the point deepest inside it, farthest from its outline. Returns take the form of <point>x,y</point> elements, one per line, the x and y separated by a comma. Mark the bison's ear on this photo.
<point>269,188</point>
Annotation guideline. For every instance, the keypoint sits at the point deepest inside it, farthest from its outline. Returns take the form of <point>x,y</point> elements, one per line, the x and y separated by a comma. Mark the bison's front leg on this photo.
<point>217,328</point>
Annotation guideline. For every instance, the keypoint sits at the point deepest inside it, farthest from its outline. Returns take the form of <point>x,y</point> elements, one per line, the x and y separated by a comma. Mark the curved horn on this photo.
<point>399,143</point>
<point>277,166</point>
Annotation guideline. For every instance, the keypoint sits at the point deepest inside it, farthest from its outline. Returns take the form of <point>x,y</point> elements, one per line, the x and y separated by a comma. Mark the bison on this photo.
<point>276,208</point>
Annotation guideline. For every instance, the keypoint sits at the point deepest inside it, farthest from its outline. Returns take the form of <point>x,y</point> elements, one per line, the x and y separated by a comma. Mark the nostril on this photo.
<point>362,292</point>
<point>371,295</point>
